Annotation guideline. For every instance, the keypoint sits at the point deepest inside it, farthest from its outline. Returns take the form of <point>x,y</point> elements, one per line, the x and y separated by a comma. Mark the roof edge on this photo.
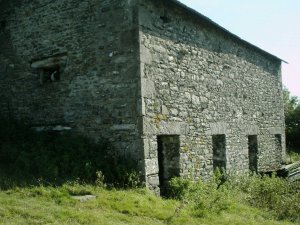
<point>220,28</point>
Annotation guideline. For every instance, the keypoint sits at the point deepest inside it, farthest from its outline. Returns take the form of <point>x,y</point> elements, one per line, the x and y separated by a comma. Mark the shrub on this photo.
<point>179,188</point>
<point>276,195</point>
<point>203,197</point>
<point>271,193</point>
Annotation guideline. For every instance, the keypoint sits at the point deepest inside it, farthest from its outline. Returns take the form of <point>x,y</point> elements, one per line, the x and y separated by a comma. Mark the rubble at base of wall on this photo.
<point>291,171</point>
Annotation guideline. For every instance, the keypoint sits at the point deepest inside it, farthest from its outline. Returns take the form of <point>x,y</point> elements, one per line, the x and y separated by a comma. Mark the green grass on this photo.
<point>49,205</point>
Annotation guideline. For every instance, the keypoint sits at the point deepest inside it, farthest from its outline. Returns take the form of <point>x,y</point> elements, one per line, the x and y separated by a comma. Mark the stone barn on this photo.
<point>163,83</point>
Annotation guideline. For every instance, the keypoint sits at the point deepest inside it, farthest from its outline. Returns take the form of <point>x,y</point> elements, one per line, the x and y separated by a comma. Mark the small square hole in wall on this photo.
<point>50,68</point>
<point>50,74</point>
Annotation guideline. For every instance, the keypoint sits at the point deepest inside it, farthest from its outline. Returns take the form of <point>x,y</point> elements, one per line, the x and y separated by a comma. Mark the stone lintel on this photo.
<point>49,62</point>
<point>250,129</point>
<point>276,130</point>
<point>123,127</point>
<point>217,128</point>
<point>51,128</point>
<point>165,128</point>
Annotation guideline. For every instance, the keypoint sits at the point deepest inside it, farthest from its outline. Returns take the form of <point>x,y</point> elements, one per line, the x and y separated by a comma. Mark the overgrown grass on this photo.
<point>274,195</point>
<point>54,205</point>
<point>39,174</point>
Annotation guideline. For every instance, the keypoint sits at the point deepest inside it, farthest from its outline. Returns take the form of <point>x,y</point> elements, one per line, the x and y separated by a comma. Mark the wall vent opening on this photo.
<point>50,69</point>
<point>50,74</point>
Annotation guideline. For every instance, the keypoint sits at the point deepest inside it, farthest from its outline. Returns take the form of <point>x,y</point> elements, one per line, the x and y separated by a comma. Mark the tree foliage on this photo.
<point>292,119</point>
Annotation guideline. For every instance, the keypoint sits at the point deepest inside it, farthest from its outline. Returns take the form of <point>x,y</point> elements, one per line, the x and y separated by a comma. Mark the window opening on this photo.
<point>219,151</point>
<point>252,151</point>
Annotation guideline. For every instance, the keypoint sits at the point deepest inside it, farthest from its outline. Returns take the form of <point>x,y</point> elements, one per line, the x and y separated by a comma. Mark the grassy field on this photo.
<point>49,205</point>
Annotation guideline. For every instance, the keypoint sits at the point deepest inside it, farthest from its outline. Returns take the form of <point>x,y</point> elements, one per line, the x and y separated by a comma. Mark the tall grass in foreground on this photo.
<point>236,202</point>
<point>275,195</point>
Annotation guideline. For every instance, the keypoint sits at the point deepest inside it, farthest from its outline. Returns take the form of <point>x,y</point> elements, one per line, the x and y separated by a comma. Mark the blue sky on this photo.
<point>273,25</point>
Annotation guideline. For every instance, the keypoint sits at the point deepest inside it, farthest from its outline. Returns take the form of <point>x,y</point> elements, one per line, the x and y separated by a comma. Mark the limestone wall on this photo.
<point>95,45</point>
<point>133,71</point>
<point>198,82</point>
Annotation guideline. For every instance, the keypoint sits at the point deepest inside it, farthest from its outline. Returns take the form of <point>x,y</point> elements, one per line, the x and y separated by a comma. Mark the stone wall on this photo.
<point>95,45</point>
<point>146,75</point>
<point>198,81</point>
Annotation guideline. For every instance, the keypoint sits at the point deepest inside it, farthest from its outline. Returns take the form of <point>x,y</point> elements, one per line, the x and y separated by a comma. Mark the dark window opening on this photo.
<point>278,144</point>
<point>219,151</point>
<point>168,160</point>
<point>252,151</point>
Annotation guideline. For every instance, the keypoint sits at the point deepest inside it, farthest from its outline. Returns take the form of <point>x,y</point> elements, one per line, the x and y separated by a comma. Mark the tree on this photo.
<point>292,119</point>
<point>290,102</point>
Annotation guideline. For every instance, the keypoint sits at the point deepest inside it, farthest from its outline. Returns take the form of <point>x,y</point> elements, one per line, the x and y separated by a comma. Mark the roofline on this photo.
<point>220,28</point>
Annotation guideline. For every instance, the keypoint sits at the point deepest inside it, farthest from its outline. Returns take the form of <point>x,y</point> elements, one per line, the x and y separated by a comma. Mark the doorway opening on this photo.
<point>252,151</point>
<point>219,151</point>
<point>168,159</point>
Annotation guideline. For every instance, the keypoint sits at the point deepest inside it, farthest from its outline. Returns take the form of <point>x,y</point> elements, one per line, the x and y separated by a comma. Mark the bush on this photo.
<point>179,188</point>
<point>203,197</point>
<point>276,195</point>
<point>271,193</point>
<point>54,158</point>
